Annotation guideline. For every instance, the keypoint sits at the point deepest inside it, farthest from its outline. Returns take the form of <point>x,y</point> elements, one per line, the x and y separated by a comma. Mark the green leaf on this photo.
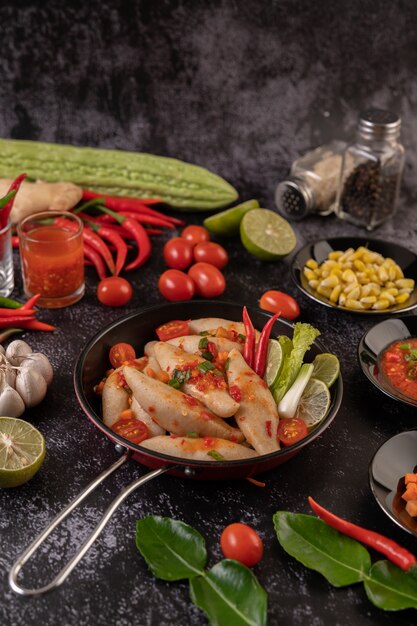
<point>390,588</point>
<point>173,550</point>
<point>230,594</point>
<point>341,560</point>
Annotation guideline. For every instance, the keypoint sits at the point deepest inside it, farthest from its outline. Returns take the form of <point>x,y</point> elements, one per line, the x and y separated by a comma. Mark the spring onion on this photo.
<point>287,407</point>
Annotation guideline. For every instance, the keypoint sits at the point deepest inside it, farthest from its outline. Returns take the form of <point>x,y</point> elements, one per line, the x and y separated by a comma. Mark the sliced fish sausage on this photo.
<point>211,324</point>
<point>199,449</point>
<point>154,429</point>
<point>115,398</point>
<point>189,343</point>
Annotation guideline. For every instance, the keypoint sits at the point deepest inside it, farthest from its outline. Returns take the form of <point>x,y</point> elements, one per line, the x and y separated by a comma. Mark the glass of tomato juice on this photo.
<point>52,257</point>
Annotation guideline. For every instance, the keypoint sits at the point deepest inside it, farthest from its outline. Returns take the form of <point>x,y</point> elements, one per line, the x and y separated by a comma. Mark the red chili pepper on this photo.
<point>96,259</point>
<point>5,211</point>
<point>32,324</point>
<point>90,238</point>
<point>392,550</point>
<point>14,320</point>
<point>115,239</point>
<point>15,241</point>
<point>262,348</point>
<point>30,303</point>
<point>249,346</point>
<point>147,219</point>
<point>16,312</point>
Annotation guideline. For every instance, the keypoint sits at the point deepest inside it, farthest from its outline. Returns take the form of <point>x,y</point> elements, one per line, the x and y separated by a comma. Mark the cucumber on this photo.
<point>118,173</point>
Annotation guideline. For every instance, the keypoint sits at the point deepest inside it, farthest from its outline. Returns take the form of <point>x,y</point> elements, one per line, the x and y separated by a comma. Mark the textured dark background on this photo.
<point>241,88</point>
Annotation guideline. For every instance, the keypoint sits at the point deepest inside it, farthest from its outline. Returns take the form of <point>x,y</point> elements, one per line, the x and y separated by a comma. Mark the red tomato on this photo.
<point>178,253</point>
<point>241,543</point>
<point>209,281</point>
<point>210,252</point>
<point>195,234</point>
<point>121,352</point>
<point>132,429</point>
<point>275,301</point>
<point>176,328</point>
<point>114,291</point>
<point>176,285</point>
<point>291,430</point>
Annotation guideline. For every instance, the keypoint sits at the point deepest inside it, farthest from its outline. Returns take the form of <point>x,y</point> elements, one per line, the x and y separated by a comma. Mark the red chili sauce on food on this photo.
<point>398,363</point>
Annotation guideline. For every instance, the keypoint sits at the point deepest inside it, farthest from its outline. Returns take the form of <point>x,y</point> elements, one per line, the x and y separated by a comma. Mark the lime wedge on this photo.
<point>326,368</point>
<point>22,450</point>
<point>267,235</point>
<point>314,402</point>
<point>226,223</point>
<point>273,362</point>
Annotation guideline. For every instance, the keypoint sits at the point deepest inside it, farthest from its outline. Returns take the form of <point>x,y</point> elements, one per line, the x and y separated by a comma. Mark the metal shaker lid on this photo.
<point>294,198</point>
<point>379,123</point>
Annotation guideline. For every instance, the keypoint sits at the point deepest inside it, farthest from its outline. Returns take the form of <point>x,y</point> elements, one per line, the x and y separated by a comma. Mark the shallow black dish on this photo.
<point>319,250</point>
<point>377,339</point>
<point>394,458</point>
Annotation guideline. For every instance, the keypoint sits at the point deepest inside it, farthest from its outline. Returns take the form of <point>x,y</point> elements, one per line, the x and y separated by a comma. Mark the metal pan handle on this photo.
<point>67,569</point>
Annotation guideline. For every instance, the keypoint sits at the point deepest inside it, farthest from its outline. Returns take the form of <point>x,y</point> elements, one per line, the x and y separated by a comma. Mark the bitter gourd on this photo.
<point>118,173</point>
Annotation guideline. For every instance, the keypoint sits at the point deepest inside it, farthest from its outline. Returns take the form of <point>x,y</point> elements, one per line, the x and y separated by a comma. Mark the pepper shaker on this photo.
<point>371,171</point>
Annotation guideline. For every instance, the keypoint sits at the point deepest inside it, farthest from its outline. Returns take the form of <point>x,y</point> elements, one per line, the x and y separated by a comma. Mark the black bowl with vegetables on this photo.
<point>139,328</point>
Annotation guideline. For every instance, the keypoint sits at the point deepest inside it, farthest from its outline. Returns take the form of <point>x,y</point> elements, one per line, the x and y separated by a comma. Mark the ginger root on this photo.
<point>40,196</point>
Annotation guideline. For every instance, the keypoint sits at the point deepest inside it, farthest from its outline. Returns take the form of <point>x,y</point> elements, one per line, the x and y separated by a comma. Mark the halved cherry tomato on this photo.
<point>131,429</point>
<point>176,285</point>
<point>178,253</point>
<point>291,430</point>
<point>195,234</point>
<point>175,328</point>
<point>241,543</point>
<point>114,291</point>
<point>209,281</point>
<point>211,252</point>
<point>275,301</point>
<point>121,352</point>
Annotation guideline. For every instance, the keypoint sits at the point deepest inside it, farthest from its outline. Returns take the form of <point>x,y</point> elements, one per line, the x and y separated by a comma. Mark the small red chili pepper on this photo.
<point>90,238</point>
<point>30,303</point>
<point>96,259</point>
<point>32,324</point>
<point>392,550</point>
<point>114,238</point>
<point>17,312</point>
<point>5,211</point>
<point>249,346</point>
<point>147,219</point>
<point>15,241</point>
<point>262,348</point>
<point>15,320</point>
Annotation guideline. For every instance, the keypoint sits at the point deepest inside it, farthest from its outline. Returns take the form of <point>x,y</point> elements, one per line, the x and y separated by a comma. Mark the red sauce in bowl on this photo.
<point>398,365</point>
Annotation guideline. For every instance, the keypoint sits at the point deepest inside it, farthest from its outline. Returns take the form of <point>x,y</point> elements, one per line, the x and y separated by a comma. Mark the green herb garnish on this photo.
<point>203,343</point>
<point>226,364</point>
<point>215,455</point>
<point>405,346</point>
<point>207,355</point>
<point>241,337</point>
<point>179,377</point>
<point>192,435</point>
<point>205,367</point>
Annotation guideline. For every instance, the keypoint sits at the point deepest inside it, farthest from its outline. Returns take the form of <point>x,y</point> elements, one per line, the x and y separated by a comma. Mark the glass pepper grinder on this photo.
<point>371,171</point>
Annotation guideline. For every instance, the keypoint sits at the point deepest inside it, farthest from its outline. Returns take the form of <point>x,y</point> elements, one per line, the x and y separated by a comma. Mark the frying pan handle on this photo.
<point>67,569</point>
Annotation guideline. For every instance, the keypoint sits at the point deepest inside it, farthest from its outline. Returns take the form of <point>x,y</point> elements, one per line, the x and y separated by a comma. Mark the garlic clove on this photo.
<point>2,350</point>
<point>40,362</point>
<point>31,386</point>
<point>11,403</point>
<point>9,374</point>
<point>17,350</point>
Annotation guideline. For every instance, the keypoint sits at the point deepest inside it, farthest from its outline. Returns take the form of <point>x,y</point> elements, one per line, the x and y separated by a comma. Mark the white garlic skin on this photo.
<point>30,385</point>
<point>17,350</point>
<point>41,363</point>
<point>11,403</point>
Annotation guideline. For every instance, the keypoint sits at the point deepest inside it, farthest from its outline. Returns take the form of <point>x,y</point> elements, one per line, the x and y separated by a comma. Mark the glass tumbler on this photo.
<point>52,257</point>
<point>6,261</point>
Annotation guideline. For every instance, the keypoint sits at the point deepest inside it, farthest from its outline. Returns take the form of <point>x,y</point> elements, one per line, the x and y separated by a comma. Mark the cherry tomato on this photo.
<point>176,285</point>
<point>241,543</point>
<point>175,328</point>
<point>178,253</point>
<point>275,301</point>
<point>210,252</point>
<point>132,429</point>
<point>114,291</point>
<point>209,281</point>
<point>291,430</point>
<point>120,353</point>
<point>195,234</point>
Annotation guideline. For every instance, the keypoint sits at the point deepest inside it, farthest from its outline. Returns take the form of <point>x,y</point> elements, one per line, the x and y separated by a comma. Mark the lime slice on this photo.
<point>22,450</point>
<point>267,235</point>
<point>273,362</point>
<point>226,223</point>
<point>326,368</point>
<point>314,402</point>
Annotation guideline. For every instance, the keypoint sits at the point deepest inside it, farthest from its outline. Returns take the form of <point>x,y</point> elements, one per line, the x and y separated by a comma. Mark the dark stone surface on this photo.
<point>241,88</point>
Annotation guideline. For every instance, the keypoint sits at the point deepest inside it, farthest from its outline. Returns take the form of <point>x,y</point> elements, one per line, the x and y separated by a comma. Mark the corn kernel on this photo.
<point>360,265</point>
<point>350,287</point>
<point>354,304</point>
<point>349,276</point>
<point>329,281</point>
<point>388,296</point>
<point>383,274</point>
<point>405,283</point>
<point>309,274</point>
<point>312,264</point>
<point>381,304</point>
<point>334,296</point>
<point>401,298</point>
<point>313,283</point>
<point>335,255</point>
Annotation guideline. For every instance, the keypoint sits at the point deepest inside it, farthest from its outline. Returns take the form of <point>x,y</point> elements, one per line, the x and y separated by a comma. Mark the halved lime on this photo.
<point>314,402</point>
<point>273,362</point>
<point>326,368</point>
<point>226,223</point>
<point>267,235</point>
<point>22,451</point>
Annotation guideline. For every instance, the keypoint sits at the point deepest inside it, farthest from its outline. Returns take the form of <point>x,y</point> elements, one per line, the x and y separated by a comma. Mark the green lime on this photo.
<point>226,223</point>
<point>273,362</point>
<point>22,450</point>
<point>314,402</point>
<point>267,235</point>
<point>326,368</point>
